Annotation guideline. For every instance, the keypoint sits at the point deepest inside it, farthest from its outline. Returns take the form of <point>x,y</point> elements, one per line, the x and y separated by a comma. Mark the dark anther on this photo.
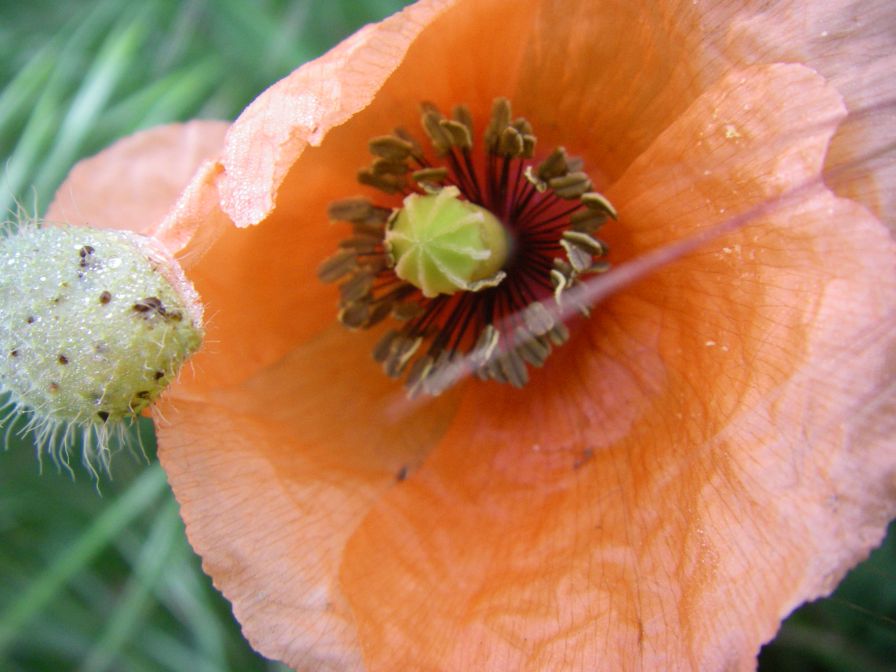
<point>350,210</point>
<point>105,298</point>
<point>391,148</point>
<point>62,359</point>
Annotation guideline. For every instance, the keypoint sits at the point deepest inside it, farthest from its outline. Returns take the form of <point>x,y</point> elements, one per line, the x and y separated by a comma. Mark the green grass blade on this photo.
<point>16,98</point>
<point>116,56</point>
<point>155,556</point>
<point>186,598</point>
<point>145,490</point>
<point>69,48</point>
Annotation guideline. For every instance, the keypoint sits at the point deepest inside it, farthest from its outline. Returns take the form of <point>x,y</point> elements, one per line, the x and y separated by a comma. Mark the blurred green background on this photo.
<point>90,582</point>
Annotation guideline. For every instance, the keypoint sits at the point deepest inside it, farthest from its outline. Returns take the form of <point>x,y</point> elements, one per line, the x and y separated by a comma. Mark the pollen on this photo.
<point>474,263</point>
<point>89,317</point>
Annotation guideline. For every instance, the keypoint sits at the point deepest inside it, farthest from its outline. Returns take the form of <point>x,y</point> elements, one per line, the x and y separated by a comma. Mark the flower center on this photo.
<point>441,244</point>
<point>476,260</point>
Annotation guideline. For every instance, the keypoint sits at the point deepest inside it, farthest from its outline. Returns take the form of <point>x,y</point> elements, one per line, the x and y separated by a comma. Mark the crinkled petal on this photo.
<point>301,109</point>
<point>274,475</point>
<point>690,469</point>
<point>693,465</point>
<point>852,43</point>
<point>706,453</point>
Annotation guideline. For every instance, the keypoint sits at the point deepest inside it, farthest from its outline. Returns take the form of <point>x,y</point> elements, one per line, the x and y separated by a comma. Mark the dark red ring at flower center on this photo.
<point>496,330</point>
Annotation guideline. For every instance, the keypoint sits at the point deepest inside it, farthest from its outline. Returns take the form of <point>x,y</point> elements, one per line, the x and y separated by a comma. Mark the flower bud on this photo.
<point>93,325</point>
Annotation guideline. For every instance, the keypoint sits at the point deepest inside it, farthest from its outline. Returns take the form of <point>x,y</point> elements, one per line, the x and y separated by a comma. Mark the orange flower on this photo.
<point>709,450</point>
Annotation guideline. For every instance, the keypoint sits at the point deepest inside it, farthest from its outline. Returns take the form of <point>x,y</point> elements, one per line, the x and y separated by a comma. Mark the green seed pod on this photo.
<point>442,245</point>
<point>93,325</point>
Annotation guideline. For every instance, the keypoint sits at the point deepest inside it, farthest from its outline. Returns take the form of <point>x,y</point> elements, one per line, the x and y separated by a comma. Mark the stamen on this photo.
<point>438,135</point>
<point>499,121</point>
<point>390,184</point>
<point>571,185</point>
<point>458,132</point>
<point>478,256</point>
<point>391,148</point>
<point>430,179</point>
<point>337,266</point>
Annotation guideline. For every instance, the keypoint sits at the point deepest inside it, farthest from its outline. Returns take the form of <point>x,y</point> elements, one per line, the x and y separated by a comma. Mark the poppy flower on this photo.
<point>707,450</point>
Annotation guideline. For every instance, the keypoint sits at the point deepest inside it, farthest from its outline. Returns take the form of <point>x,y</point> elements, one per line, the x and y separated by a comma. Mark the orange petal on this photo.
<point>275,154</point>
<point>278,169</point>
<point>134,183</point>
<point>672,482</point>
<point>273,476</point>
<point>666,492</point>
<point>271,158</point>
<point>598,516</point>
